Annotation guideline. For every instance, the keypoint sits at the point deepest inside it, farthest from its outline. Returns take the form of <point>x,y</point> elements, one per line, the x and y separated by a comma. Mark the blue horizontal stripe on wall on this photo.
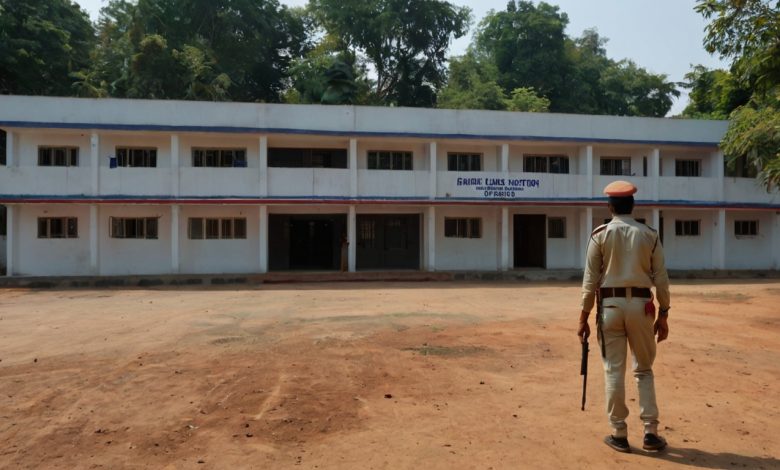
<point>270,130</point>
<point>8,198</point>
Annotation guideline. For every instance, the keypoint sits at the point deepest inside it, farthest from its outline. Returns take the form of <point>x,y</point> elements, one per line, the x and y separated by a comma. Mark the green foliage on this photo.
<point>404,42</point>
<point>714,94</point>
<point>471,85</point>
<point>328,77</point>
<point>525,99</point>
<point>42,42</point>
<point>526,44</point>
<point>197,49</point>
<point>529,49</point>
<point>630,90</point>
<point>748,32</point>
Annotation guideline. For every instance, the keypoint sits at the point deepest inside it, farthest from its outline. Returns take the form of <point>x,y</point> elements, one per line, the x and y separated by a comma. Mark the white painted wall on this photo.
<point>219,256</point>
<point>478,254</point>
<point>135,181</point>
<point>707,159</point>
<point>51,256</point>
<point>129,256</point>
<point>562,253</point>
<point>689,252</point>
<point>750,252</point>
<point>491,155</point>
<point>248,116</point>
<point>518,151</point>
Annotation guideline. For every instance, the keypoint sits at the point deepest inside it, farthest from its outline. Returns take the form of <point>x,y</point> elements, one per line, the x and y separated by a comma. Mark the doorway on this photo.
<point>530,240</point>
<point>305,242</point>
<point>388,241</point>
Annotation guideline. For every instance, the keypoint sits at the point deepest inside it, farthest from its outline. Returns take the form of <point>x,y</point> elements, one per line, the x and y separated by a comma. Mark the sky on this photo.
<point>663,36</point>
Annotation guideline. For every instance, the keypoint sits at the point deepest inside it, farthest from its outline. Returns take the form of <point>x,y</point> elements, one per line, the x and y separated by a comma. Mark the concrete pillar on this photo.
<point>587,154</point>
<point>353,175</point>
<point>719,174</point>
<point>653,173</point>
<point>352,239</point>
<point>94,162</point>
<point>263,167</point>
<point>656,224</point>
<point>504,239</point>
<point>586,227</point>
<point>175,166</point>
<point>94,239</point>
<point>719,241</point>
<point>10,146</point>
<point>430,237</point>
<point>432,152</point>
<point>505,158</point>
<point>776,240</point>
<point>10,236</point>
<point>263,238</point>
<point>175,238</point>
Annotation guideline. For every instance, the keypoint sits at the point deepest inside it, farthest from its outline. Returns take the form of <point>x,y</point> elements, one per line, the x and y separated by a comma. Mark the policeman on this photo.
<point>624,260</point>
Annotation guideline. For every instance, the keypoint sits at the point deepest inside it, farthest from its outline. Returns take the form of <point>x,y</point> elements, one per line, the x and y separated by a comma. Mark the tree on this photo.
<point>42,42</point>
<point>630,90</point>
<point>525,99</point>
<point>714,93</point>
<point>471,85</point>
<point>748,32</point>
<point>197,49</point>
<point>526,44</point>
<point>404,42</point>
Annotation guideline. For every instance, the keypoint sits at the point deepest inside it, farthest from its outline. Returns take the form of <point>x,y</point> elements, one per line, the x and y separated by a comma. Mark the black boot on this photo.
<point>620,444</point>
<point>653,442</point>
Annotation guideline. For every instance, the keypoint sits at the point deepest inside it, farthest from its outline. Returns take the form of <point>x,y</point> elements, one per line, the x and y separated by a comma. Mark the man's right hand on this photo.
<point>661,328</point>
<point>583,331</point>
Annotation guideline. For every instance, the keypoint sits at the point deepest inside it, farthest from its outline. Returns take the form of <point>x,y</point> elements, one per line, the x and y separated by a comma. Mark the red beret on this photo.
<point>620,189</point>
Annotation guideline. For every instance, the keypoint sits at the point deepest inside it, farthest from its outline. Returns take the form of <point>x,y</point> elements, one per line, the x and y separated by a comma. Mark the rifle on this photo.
<point>584,369</point>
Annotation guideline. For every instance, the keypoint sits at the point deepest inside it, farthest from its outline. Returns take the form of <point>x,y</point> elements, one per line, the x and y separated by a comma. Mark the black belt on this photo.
<point>607,292</point>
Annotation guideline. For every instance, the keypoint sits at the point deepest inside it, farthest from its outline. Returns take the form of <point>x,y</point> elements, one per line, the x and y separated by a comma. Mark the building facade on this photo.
<point>121,187</point>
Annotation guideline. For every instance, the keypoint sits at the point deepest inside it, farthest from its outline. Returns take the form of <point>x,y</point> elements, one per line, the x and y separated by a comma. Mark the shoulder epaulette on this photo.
<point>599,229</point>
<point>651,228</point>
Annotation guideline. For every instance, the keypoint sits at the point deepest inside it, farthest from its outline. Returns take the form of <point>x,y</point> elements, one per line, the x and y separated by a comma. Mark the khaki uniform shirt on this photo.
<point>624,253</point>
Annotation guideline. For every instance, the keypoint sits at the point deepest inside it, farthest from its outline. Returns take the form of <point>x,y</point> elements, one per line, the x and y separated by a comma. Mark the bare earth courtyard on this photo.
<point>372,375</point>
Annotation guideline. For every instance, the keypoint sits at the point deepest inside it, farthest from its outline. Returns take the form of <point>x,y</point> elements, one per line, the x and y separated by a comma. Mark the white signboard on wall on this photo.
<point>496,188</point>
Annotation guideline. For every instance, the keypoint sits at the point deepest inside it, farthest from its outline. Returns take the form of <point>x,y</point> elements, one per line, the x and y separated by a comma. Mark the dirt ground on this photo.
<point>372,375</point>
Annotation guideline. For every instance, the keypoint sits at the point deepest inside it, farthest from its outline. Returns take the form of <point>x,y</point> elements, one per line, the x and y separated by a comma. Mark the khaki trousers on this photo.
<point>625,322</point>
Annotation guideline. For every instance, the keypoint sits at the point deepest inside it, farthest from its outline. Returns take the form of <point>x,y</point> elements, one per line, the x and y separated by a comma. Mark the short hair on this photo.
<point>623,205</point>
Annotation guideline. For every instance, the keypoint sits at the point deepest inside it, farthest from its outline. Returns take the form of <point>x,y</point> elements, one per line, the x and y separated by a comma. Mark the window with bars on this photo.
<point>615,166</point>
<point>745,228</point>
<point>386,160</point>
<point>200,228</point>
<point>687,168</point>
<point>222,158</point>
<point>464,162</point>
<point>687,228</point>
<point>462,227</point>
<point>136,157</point>
<point>134,227</point>
<point>556,227</point>
<point>58,227</point>
<point>546,164</point>
<point>58,156</point>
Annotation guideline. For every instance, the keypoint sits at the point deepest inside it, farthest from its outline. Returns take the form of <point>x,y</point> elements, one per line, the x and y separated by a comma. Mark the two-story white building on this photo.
<point>118,187</point>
